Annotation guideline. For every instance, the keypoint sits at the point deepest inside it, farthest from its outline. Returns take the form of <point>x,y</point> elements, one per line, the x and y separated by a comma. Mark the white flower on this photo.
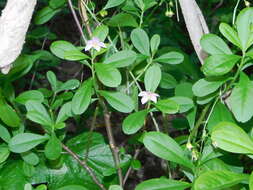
<point>5,70</point>
<point>94,43</point>
<point>147,96</point>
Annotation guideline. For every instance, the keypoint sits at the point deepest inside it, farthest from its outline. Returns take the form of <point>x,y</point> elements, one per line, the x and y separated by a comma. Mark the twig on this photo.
<point>137,152</point>
<point>84,165</point>
<point>76,20</point>
<point>114,148</point>
<point>84,16</point>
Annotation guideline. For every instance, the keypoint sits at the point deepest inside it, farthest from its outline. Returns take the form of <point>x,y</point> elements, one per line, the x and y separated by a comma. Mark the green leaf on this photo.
<point>185,103</point>
<point>166,148</point>
<point>82,97</point>
<point>69,85</point>
<point>154,43</point>
<point>66,110</point>
<point>217,65</point>
<point>108,75</point>
<point>152,78</point>
<point>218,180</point>
<point>8,115</point>
<point>167,106</point>
<point>75,55</point>
<point>115,187</point>
<point>25,141</point>
<point>251,181</point>
<point>119,101</point>
<point>101,32</point>
<point>53,148</point>
<point>171,58</point>
<point>52,80</point>
<point>204,87</point>
<point>44,15</point>
<point>30,158</point>
<point>72,187</point>
<point>60,48</point>
<point>243,25</point>
<point>213,44</point>
<point>229,33</point>
<point>113,3</point>
<point>30,95</point>
<point>140,41</point>
<point>123,20</point>
<point>167,81</point>
<point>4,134</point>
<point>38,113</point>
<point>133,122</point>
<point>228,136</point>
<point>241,100</point>
<point>219,113</point>
<point>4,153</point>
<point>55,4</point>
<point>121,59</point>
<point>162,184</point>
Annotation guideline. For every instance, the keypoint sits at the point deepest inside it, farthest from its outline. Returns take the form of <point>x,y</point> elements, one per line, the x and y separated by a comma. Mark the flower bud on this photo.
<point>247,3</point>
<point>169,13</point>
<point>171,4</point>
<point>103,13</point>
<point>189,146</point>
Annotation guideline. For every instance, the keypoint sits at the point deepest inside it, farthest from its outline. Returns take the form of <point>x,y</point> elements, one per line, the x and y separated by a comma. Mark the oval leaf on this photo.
<point>152,78</point>
<point>171,58</point>
<point>140,41</point>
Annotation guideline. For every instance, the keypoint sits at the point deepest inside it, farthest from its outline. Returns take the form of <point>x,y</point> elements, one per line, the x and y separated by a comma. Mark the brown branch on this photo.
<point>77,20</point>
<point>84,165</point>
<point>137,152</point>
<point>114,148</point>
<point>84,16</point>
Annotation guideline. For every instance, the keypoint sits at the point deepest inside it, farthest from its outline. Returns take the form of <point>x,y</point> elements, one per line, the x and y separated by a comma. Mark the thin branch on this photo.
<point>84,165</point>
<point>137,152</point>
<point>84,16</point>
<point>77,20</point>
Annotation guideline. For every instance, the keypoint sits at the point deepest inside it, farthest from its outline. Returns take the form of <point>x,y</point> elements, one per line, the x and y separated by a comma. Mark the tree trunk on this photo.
<point>14,23</point>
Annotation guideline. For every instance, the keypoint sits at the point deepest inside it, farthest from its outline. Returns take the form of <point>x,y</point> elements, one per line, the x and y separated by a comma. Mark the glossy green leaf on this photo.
<point>241,100</point>
<point>228,136</point>
<point>59,48</point>
<point>123,20</point>
<point>167,106</point>
<point>133,122</point>
<point>204,87</point>
<point>251,181</point>
<point>185,103</point>
<point>101,32</point>
<point>30,158</point>
<point>115,187</point>
<point>119,101</point>
<point>162,184</point>
<point>55,4</point>
<point>229,33</point>
<point>30,95</point>
<point>167,81</point>
<point>4,153</point>
<point>82,98</point>
<point>243,25</point>
<point>4,134</point>
<point>219,113</point>
<point>68,85</point>
<point>166,148</point>
<point>72,187</point>
<point>152,78</point>
<point>44,15</point>
<point>66,111</point>
<point>140,41</point>
<point>213,44</point>
<point>25,141</point>
<point>154,43</point>
<point>218,180</point>
<point>108,75</point>
<point>53,148</point>
<point>113,3</point>
<point>51,77</point>
<point>217,65</point>
<point>172,58</point>
<point>121,59</point>
<point>37,113</point>
<point>75,55</point>
<point>8,115</point>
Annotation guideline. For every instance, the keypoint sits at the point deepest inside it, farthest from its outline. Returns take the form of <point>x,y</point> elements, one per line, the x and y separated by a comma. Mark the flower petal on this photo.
<point>144,99</point>
<point>142,93</point>
<point>153,98</point>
